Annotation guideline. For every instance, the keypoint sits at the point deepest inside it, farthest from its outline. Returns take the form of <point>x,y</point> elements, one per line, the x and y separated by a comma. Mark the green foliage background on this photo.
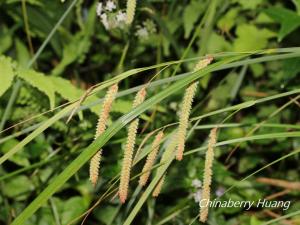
<point>80,53</point>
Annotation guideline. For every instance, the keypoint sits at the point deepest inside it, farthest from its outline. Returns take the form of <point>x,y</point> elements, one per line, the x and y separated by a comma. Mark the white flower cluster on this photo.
<point>110,17</point>
<point>196,183</point>
<point>143,32</point>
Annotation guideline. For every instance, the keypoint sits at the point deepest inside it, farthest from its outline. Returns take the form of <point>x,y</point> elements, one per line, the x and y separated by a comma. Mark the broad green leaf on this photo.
<point>6,74</point>
<point>257,69</point>
<point>190,15</point>
<point>71,52</point>
<point>21,158</point>
<point>250,38</point>
<point>168,29</point>
<point>291,67</point>
<point>248,162</point>
<point>17,186</point>
<point>106,214</point>
<point>39,81</point>
<point>122,106</point>
<point>255,221</point>
<point>217,43</point>
<point>289,20</point>
<point>23,55</point>
<point>249,4</point>
<point>72,208</point>
<point>297,4</point>
<point>78,46</point>
<point>228,20</point>
<point>5,39</point>
<point>68,91</point>
<point>218,98</point>
<point>263,18</point>
<point>65,88</point>
<point>44,217</point>
<point>51,85</point>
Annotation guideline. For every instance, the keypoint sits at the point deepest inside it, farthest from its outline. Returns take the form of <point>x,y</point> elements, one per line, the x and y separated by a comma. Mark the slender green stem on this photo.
<point>122,59</point>
<point>27,31</point>
<point>238,83</point>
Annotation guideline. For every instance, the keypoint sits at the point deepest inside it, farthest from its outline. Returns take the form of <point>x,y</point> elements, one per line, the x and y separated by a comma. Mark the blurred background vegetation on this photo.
<point>86,50</point>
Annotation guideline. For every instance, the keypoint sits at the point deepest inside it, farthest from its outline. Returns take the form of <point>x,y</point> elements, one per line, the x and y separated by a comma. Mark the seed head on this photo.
<point>184,118</point>
<point>106,107</point>
<point>168,154</point>
<point>130,11</point>
<point>208,173</point>
<point>101,126</point>
<point>203,63</point>
<point>159,186</point>
<point>129,149</point>
<point>94,167</point>
<point>151,159</point>
<point>186,109</point>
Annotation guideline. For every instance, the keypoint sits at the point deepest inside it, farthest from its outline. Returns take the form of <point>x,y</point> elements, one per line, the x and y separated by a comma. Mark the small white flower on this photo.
<point>142,32</point>
<point>99,9</point>
<point>197,195</point>
<point>104,21</point>
<point>196,183</point>
<point>173,105</point>
<point>121,16</point>
<point>220,191</point>
<point>110,6</point>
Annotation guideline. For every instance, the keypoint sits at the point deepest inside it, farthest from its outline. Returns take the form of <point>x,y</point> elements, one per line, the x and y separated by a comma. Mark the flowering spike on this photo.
<point>186,109</point>
<point>140,97</point>
<point>151,159</point>
<point>129,149</point>
<point>158,187</point>
<point>94,167</point>
<point>101,126</point>
<point>168,153</point>
<point>184,118</point>
<point>107,104</point>
<point>130,11</point>
<point>208,173</point>
<point>203,63</point>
